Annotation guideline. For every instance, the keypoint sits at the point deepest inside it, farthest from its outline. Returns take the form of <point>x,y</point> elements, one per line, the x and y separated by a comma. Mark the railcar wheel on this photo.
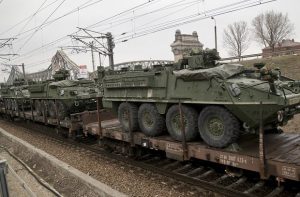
<point>218,127</point>
<point>150,121</point>
<point>38,108</point>
<point>128,116</point>
<point>62,110</point>
<point>51,109</point>
<point>189,116</point>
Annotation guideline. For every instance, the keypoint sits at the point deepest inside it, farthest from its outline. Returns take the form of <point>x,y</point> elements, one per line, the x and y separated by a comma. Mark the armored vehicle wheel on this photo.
<point>189,116</point>
<point>218,127</point>
<point>51,109</point>
<point>150,121</point>
<point>128,116</point>
<point>14,105</point>
<point>9,104</point>
<point>62,110</point>
<point>38,108</point>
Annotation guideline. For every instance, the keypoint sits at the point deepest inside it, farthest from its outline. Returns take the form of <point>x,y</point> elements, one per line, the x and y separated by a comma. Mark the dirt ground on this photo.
<point>293,125</point>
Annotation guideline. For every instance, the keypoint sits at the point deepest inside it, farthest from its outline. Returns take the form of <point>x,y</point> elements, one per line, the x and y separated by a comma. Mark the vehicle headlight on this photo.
<point>235,89</point>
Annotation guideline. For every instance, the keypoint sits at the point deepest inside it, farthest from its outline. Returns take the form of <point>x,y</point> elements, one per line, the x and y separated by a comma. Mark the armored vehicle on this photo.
<point>198,96</point>
<point>59,97</point>
<point>15,97</point>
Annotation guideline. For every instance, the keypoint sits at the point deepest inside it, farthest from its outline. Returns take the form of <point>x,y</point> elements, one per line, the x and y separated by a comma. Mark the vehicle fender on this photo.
<point>161,107</point>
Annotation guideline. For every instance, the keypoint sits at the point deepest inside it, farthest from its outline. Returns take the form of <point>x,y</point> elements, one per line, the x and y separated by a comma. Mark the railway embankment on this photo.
<point>67,180</point>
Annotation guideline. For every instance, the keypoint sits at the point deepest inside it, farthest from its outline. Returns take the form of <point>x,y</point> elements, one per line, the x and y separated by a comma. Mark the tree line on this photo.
<point>268,29</point>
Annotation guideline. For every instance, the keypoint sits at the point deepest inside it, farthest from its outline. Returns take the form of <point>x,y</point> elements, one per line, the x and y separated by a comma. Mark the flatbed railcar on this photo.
<point>72,124</point>
<point>281,152</point>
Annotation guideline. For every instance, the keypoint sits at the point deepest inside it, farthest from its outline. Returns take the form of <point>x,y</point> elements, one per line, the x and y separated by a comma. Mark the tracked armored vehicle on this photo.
<point>217,102</point>
<point>60,97</point>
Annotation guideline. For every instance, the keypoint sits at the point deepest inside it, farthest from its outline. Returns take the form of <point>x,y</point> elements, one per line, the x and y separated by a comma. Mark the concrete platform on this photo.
<point>73,181</point>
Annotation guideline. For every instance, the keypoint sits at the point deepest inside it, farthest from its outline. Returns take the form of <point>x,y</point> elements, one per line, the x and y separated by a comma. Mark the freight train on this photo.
<point>193,109</point>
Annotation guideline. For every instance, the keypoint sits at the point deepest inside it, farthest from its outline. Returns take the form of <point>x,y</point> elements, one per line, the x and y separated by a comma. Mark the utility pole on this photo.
<point>110,47</point>
<point>96,45</point>
<point>100,64</point>
<point>92,51</point>
<point>23,69</point>
<point>216,41</point>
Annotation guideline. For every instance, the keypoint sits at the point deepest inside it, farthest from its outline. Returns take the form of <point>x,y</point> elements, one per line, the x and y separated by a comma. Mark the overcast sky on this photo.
<point>18,18</point>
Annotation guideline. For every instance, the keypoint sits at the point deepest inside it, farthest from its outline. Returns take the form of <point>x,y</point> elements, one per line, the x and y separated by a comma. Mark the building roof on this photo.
<point>286,43</point>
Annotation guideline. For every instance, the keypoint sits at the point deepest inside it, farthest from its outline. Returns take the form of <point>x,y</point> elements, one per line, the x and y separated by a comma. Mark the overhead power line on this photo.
<point>172,5</point>
<point>96,45</point>
<point>25,19</point>
<point>121,13</point>
<point>82,6</point>
<point>41,25</point>
<point>33,15</point>
<point>188,19</point>
<point>66,37</point>
<point>142,31</point>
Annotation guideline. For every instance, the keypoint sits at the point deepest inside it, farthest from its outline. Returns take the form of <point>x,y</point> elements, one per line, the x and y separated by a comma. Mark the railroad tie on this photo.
<point>255,187</point>
<point>276,192</point>
<point>205,174</point>
<point>195,171</point>
<point>238,182</point>
<point>183,168</point>
<point>225,176</point>
<point>171,165</point>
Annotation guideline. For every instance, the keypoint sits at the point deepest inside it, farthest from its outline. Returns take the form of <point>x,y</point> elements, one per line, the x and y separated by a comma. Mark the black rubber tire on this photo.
<point>9,104</point>
<point>150,121</point>
<point>38,108</point>
<point>124,110</point>
<point>51,109</point>
<point>227,124</point>
<point>173,122</point>
<point>14,105</point>
<point>62,110</point>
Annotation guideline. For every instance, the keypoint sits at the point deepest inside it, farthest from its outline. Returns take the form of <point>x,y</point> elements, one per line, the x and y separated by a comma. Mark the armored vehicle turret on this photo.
<point>59,97</point>
<point>219,102</point>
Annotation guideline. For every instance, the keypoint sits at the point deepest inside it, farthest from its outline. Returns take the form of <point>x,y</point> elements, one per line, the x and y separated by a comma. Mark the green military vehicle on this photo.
<point>60,97</point>
<point>15,97</point>
<point>219,102</point>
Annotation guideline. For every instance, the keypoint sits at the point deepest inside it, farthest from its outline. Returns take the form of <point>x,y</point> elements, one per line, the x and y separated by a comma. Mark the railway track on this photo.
<point>195,175</point>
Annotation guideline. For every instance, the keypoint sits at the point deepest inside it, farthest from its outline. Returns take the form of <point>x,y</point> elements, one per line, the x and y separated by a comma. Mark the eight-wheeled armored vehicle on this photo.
<point>59,97</point>
<point>15,97</point>
<point>198,96</point>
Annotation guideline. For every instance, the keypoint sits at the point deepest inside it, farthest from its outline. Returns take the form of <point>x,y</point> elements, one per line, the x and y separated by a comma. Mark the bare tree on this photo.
<point>236,38</point>
<point>271,28</point>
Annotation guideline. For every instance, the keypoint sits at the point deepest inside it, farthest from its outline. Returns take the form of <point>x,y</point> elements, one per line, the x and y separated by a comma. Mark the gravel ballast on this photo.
<point>119,176</point>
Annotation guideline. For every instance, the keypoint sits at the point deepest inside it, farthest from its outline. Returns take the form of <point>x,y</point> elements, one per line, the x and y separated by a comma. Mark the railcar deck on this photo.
<point>73,123</point>
<point>282,150</point>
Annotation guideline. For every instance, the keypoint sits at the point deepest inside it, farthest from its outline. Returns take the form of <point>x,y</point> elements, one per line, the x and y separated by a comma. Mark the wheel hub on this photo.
<point>216,127</point>
<point>148,120</point>
<point>125,117</point>
<point>176,123</point>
